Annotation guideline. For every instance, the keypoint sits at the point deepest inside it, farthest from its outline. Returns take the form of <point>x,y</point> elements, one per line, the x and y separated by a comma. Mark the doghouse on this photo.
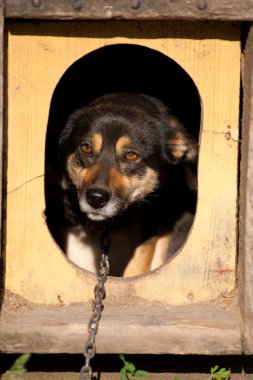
<point>193,297</point>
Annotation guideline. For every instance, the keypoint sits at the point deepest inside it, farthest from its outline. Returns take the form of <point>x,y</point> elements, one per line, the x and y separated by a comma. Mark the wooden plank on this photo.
<point>181,330</point>
<point>1,112</point>
<point>205,266</point>
<point>246,201</point>
<point>131,9</point>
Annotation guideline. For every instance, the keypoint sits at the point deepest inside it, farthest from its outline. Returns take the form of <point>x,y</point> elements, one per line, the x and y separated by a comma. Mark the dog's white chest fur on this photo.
<point>80,252</point>
<point>127,254</point>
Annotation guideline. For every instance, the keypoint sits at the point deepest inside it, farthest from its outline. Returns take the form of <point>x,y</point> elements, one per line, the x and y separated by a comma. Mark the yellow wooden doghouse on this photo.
<point>190,288</point>
<point>37,59</point>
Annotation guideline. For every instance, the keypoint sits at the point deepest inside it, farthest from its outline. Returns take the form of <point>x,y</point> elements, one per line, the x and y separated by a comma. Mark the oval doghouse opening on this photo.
<point>120,69</point>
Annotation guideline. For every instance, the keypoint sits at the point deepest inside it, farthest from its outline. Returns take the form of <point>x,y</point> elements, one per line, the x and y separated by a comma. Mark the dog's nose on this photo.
<point>97,198</point>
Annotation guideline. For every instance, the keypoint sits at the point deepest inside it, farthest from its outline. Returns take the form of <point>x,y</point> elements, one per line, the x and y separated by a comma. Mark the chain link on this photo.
<point>89,350</point>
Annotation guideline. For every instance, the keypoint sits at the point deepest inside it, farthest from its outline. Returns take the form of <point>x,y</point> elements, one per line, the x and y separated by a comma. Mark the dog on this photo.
<point>124,160</point>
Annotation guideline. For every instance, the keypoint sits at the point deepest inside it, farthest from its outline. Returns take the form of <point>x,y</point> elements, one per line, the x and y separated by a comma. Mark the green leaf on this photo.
<point>122,357</point>
<point>222,374</point>
<point>20,363</point>
<point>130,367</point>
<point>214,369</point>
<point>123,375</point>
<point>140,373</point>
<point>223,370</point>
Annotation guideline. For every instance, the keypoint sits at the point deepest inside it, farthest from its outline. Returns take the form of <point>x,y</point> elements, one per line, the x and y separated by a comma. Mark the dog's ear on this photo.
<point>179,145</point>
<point>66,138</point>
<point>69,126</point>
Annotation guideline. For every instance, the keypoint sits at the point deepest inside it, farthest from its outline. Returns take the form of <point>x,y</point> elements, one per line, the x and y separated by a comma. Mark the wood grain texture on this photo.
<point>205,267</point>
<point>182,330</point>
<point>246,201</point>
<point>122,9</point>
<point>1,107</point>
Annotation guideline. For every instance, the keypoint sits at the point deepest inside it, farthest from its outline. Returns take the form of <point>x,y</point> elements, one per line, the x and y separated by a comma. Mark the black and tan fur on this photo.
<point>123,161</point>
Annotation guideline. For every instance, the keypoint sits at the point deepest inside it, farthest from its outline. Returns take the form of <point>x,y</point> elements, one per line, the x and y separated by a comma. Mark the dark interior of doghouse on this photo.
<point>114,69</point>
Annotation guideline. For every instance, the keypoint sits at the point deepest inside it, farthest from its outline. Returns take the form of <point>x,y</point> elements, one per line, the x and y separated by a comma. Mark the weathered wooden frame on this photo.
<point>131,10</point>
<point>1,118</point>
<point>246,202</point>
<point>209,329</point>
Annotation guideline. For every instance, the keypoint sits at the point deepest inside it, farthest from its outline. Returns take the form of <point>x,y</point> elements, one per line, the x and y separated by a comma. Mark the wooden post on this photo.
<point>245,266</point>
<point>1,113</point>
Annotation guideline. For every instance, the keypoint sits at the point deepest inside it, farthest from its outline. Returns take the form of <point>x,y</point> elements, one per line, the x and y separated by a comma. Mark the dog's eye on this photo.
<point>86,148</point>
<point>131,156</point>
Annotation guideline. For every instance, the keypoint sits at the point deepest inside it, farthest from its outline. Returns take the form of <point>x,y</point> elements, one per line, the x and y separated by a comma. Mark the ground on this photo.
<point>116,376</point>
<point>161,367</point>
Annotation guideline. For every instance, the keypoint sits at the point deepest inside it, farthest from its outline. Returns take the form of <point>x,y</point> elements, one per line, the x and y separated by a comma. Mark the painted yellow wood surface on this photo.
<point>38,55</point>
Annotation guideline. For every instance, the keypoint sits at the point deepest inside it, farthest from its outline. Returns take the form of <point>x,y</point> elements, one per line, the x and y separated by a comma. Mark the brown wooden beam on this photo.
<point>195,329</point>
<point>245,268</point>
<point>1,115</point>
<point>130,9</point>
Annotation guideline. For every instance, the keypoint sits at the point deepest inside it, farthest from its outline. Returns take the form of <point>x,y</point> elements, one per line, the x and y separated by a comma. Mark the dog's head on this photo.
<point>115,149</point>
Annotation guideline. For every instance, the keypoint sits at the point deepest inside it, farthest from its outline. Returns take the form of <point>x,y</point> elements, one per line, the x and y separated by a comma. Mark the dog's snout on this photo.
<point>97,198</point>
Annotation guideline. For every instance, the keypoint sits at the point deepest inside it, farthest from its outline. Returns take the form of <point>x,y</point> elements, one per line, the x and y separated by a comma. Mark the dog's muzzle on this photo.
<point>100,204</point>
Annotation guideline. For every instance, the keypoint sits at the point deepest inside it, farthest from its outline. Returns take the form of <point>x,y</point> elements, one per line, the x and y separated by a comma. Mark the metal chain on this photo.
<point>89,350</point>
